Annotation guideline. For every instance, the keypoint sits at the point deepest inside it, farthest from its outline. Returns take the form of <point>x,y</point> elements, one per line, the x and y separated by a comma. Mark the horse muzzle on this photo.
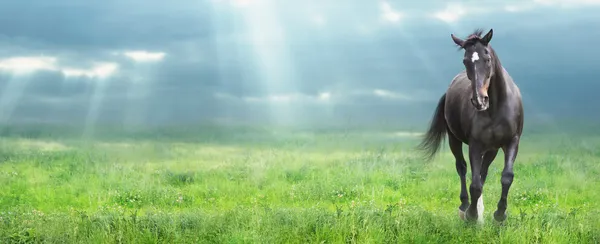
<point>481,103</point>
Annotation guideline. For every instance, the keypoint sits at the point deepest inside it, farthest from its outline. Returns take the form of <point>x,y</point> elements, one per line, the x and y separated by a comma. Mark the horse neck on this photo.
<point>498,86</point>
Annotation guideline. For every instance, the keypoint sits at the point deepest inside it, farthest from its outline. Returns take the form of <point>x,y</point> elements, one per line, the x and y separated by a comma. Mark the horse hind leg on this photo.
<point>461,169</point>
<point>488,158</point>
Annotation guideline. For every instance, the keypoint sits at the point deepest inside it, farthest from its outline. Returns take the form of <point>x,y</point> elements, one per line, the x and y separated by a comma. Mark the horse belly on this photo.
<point>457,131</point>
<point>455,127</point>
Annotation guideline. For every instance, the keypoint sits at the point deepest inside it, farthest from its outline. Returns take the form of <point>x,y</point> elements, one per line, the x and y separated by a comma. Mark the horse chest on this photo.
<point>492,133</point>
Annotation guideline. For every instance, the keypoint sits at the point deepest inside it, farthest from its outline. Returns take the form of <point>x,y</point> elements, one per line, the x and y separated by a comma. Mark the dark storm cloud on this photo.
<point>69,24</point>
<point>346,49</point>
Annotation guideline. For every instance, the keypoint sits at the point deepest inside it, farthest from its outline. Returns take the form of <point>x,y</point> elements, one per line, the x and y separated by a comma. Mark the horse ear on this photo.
<point>457,40</point>
<point>488,37</point>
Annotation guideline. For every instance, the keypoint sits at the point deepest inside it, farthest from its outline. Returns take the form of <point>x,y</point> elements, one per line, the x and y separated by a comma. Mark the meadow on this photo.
<point>285,186</point>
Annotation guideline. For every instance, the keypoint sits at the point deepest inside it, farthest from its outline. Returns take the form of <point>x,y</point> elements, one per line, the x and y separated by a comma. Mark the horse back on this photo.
<point>513,94</point>
<point>457,113</point>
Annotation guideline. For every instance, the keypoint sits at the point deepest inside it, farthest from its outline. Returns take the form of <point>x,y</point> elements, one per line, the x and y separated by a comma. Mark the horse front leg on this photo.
<point>510,154</point>
<point>475,157</point>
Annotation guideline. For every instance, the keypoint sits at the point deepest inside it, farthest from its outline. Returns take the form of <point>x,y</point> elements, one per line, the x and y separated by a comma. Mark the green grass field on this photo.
<point>296,187</point>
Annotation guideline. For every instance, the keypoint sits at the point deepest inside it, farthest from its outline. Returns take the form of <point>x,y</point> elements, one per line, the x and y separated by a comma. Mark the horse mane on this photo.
<point>476,35</point>
<point>472,38</point>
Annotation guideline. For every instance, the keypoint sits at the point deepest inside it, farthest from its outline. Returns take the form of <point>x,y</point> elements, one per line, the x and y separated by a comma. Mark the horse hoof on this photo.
<point>462,215</point>
<point>470,217</point>
<point>474,218</point>
<point>499,217</point>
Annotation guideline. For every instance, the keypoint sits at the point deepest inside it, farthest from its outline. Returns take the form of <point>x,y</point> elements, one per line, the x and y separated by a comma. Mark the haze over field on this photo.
<point>282,62</point>
<point>111,114</point>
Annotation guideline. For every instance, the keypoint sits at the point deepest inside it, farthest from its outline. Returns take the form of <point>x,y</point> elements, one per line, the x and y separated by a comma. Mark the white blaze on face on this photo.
<point>475,57</point>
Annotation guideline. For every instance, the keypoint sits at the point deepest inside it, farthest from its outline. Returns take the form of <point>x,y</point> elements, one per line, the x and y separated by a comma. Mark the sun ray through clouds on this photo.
<point>11,95</point>
<point>327,95</point>
<point>101,75</point>
<point>226,52</point>
<point>140,86</point>
<point>398,24</point>
<point>274,68</point>
<point>20,70</point>
<point>393,25</point>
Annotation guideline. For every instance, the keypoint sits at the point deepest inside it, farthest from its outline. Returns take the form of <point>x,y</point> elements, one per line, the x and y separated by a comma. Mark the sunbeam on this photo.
<point>137,93</point>
<point>394,23</point>
<point>11,94</point>
<point>226,53</point>
<point>140,87</point>
<point>20,70</point>
<point>422,56</point>
<point>101,80</point>
<point>272,64</point>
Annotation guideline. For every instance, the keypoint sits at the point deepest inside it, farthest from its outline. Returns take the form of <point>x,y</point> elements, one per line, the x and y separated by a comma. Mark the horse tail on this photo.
<point>436,132</point>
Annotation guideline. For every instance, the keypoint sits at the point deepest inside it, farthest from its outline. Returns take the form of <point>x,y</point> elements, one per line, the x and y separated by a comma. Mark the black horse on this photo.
<point>483,109</point>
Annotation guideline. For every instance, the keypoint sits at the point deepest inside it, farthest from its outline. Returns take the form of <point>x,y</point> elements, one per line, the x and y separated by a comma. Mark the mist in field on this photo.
<point>138,64</point>
<point>285,121</point>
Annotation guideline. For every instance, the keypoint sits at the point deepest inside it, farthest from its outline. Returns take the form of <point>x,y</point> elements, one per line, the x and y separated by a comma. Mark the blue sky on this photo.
<point>293,61</point>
